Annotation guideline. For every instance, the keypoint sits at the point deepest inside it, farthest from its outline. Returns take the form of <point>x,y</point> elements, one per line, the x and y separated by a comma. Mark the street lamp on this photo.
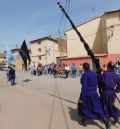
<point>111,29</point>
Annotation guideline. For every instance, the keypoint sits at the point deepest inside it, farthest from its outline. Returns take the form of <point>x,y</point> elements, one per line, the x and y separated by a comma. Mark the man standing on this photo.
<point>12,75</point>
<point>110,83</point>
<point>67,69</point>
<point>89,105</point>
<point>7,73</point>
<point>74,70</point>
<point>80,69</point>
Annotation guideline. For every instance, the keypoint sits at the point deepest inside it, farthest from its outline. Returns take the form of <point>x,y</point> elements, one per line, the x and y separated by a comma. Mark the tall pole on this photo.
<point>86,46</point>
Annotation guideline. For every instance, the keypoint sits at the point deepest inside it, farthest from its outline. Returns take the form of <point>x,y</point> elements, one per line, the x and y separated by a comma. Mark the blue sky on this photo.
<point>33,19</point>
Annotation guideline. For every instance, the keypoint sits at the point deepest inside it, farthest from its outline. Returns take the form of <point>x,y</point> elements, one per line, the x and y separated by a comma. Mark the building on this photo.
<point>102,36</point>
<point>47,50</point>
<point>2,57</point>
<point>2,60</point>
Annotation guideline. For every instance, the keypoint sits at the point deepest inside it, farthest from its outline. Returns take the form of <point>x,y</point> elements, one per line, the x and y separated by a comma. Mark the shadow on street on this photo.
<point>75,117</point>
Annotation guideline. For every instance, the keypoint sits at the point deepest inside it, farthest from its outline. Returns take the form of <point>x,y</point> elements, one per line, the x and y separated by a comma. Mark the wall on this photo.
<point>49,48</point>
<point>18,63</point>
<point>76,61</point>
<point>103,60</point>
<point>113,34</point>
<point>49,52</point>
<point>1,59</point>
<point>108,58</point>
<point>89,31</point>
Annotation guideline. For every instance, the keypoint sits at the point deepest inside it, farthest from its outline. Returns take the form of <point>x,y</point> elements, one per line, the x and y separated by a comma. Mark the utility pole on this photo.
<point>86,46</point>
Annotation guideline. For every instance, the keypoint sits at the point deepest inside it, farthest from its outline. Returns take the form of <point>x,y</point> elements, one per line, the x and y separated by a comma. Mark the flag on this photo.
<point>9,57</point>
<point>24,53</point>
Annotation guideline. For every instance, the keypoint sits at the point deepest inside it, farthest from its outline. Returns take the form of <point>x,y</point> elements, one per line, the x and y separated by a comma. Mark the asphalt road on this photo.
<point>41,102</point>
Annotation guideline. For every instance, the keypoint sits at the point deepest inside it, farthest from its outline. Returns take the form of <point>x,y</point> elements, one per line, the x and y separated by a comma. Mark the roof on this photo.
<point>106,12</point>
<point>2,55</point>
<point>44,38</point>
<point>84,23</point>
<point>109,12</point>
<point>17,49</point>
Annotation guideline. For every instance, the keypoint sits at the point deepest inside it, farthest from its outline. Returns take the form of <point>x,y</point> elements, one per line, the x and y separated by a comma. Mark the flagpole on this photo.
<point>23,70</point>
<point>22,78</point>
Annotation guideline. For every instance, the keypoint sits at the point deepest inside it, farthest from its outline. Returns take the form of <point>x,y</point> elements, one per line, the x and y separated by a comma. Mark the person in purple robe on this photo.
<point>89,106</point>
<point>110,85</point>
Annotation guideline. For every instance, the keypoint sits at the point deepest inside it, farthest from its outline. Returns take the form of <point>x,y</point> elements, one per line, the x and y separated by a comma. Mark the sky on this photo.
<point>34,19</point>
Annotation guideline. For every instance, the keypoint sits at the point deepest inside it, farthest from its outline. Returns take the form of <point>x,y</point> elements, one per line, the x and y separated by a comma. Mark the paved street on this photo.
<point>41,102</point>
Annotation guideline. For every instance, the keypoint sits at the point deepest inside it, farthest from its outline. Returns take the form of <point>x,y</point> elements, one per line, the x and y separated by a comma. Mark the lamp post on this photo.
<point>111,29</point>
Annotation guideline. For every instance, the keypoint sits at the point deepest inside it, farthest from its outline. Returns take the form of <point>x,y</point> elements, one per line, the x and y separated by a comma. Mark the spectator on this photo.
<point>74,70</point>
<point>80,69</point>
<point>67,69</point>
<point>12,75</point>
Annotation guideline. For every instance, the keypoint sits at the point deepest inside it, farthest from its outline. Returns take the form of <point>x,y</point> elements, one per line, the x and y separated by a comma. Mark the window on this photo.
<point>39,49</point>
<point>39,57</point>
<point>39,42</point>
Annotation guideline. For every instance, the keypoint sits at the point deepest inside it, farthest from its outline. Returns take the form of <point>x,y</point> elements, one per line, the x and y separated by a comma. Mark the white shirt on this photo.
<point>67,68</point>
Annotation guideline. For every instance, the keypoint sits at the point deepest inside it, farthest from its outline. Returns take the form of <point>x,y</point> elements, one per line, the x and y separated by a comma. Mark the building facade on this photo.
<point>2,57</point>
<point>2,60</point>
<point>46,50</point>
<point>102,36</point>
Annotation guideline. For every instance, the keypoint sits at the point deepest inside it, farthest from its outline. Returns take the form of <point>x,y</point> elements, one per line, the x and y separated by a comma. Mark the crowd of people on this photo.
<point>57,70</point>
<point>64,70</point>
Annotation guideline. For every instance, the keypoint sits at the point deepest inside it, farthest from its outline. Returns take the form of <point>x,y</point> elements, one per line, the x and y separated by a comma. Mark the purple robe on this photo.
<point>91,107</point>
<point>110,82</point>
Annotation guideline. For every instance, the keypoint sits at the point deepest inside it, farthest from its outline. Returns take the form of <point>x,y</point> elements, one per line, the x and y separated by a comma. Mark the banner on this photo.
<point>9,57</point>
<point>24,53</point>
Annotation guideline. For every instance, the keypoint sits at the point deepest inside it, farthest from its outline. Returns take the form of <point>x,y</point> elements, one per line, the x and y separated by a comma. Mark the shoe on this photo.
<point>83,122</point>
<point>108,125</point>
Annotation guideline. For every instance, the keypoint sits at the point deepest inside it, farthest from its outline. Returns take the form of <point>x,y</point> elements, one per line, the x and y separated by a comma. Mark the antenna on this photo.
<point>93,9</point>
